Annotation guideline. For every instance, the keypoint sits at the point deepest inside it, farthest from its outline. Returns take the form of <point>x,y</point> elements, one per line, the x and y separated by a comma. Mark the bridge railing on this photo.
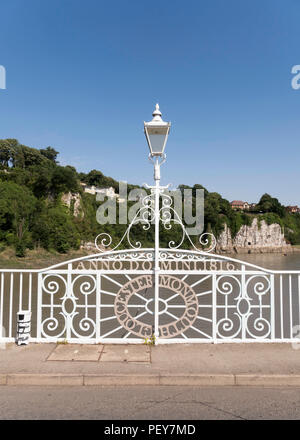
<point>241,304</point>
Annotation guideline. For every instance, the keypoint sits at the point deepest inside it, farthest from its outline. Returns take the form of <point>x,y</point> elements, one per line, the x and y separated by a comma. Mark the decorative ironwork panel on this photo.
<point>68,306</point>
<point>243,306</point>
<point>126,306</point>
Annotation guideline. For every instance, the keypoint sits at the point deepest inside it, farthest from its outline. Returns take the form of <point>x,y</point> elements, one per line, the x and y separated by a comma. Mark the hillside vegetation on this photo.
<point>33,216</point>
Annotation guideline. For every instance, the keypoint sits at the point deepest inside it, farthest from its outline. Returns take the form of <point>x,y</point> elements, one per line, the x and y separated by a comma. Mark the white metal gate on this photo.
<point>109,298</point>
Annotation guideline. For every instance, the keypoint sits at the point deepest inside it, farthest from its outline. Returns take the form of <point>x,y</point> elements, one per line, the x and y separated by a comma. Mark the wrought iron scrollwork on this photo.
<point>146,216</point>
<point>166,218</point>
<point>243,306</point>
<point>62,320</point>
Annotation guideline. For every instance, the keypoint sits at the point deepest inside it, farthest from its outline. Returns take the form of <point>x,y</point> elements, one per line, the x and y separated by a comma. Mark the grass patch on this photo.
<point>36,259</point>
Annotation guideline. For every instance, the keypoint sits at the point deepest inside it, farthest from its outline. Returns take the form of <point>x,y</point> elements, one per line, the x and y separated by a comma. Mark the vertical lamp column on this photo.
<point>156,132</point>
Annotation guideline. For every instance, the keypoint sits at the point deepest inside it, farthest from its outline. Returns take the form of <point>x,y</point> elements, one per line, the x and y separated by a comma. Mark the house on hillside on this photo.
<point>252,205</point>
<point>239,204</point>
<point>293,209</point>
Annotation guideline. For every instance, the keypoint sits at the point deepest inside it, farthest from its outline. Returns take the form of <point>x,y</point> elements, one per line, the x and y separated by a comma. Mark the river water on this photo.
<point>276,261</point>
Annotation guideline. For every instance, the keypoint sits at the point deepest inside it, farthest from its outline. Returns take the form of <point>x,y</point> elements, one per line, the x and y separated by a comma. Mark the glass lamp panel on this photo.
<point>157,138</point>
<point>157,142</point>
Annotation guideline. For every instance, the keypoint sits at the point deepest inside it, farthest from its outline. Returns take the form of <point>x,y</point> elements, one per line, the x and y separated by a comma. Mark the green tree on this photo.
<point>270,204</point>
<point>54,229</point>
<point>95,177</point>
<point>64,179</point>
<point>9,152</point>
<point>50,153</point>
<point>17,207</point>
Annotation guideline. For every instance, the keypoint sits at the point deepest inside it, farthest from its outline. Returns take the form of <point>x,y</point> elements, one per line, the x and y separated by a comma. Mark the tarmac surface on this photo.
<point>150,403</point>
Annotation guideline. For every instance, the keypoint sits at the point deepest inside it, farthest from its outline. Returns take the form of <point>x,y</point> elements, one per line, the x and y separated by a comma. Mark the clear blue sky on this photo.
<point>82,76</point>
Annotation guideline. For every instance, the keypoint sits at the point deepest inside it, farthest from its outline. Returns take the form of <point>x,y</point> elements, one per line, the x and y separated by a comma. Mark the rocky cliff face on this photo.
<point>74,199</point>
<point>266,238</point>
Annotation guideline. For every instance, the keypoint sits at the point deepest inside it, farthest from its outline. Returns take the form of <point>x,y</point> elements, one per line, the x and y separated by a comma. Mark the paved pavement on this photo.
<point>175,364</point>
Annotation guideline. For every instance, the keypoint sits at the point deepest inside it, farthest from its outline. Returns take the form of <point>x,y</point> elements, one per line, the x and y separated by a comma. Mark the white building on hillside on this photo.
<point>107,192</point>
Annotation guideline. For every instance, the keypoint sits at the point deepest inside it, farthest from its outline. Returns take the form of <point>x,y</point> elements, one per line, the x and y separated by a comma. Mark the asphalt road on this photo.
<point>160,403</point>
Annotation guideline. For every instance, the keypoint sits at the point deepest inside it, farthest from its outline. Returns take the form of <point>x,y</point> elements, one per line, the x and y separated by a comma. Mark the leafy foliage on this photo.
<point>270,204</point>
<point>32,214</point>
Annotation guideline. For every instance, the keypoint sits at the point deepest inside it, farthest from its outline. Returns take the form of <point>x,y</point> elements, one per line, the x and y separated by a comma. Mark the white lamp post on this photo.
<point>156,132</point>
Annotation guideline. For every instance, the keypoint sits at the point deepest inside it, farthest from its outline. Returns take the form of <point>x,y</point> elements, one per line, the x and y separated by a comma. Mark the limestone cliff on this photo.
<point>73,201</point>
<point>254,238</point>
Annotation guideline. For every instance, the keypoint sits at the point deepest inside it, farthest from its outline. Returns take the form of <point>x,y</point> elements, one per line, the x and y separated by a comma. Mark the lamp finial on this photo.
<point>157,113</point>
